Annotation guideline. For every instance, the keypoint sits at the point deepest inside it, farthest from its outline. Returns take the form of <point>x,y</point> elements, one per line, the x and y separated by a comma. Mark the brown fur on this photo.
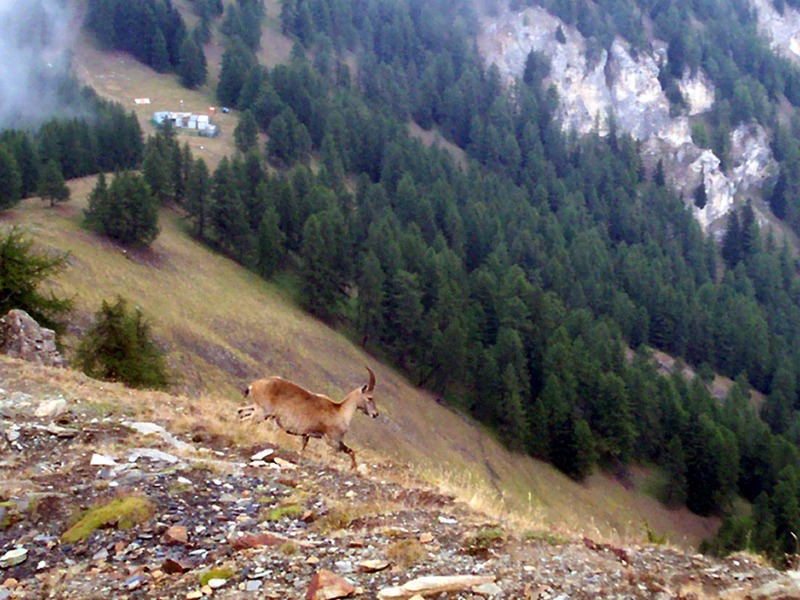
<point>300,412</point>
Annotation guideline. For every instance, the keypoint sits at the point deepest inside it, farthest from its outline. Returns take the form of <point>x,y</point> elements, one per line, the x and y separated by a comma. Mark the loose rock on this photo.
<point>263,454</point>
<point>216,583</point>
<point>100,460</point>
<point>176,535</point>
<point>326,585</point>
<point>373,566</point>
<point>173,566</point>
<point>51,409</point>
<point>13,557</point>
<point>435,585</point>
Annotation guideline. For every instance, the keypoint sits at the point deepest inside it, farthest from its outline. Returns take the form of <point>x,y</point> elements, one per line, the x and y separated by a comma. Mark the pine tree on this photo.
<point>613,418</point>
<point>732,241</point>
<point>51,184</point>
<point>125,210</point>
<point>271,239</point>
<point>764,531</point>
<point>100,20</point>
<point>227,216</point>
<point>21,147</point>
<point>237,63</point>
<point>675,466</point>
<point>159,54</point>
<point>246,133</point>
<point>10,180</point>
<point>322,255</point>
<point>371,298</point>
<point>192,68</point>
<point>513,421</point>
<point>405,317</point>
<point>198,196</point>
<point>22,273</point>
<point>700,196</point>
<point>659,177</point>
<point>119,346</point>
<point>157,171</point>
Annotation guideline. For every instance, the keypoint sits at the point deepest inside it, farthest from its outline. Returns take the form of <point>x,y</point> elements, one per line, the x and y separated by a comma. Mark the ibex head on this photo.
<point>366,403</point>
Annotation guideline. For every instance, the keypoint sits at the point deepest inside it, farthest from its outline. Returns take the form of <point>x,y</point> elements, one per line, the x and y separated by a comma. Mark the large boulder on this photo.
<point>22,337</point>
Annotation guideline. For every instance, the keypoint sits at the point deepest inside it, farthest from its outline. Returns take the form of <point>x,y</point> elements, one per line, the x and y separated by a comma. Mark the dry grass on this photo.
<point>405,553</point>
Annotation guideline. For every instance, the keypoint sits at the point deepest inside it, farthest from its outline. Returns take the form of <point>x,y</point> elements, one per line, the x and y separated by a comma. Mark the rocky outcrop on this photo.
<point>22,337</point>
<point>783,30</point>
<point>594,84</point>
<point>616,82</point>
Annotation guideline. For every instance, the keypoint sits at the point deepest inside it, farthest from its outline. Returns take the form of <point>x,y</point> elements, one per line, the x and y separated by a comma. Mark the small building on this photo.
<point>201,124</point>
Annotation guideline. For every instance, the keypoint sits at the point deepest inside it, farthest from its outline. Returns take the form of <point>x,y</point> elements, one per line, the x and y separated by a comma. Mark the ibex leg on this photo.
<point>347,450</point>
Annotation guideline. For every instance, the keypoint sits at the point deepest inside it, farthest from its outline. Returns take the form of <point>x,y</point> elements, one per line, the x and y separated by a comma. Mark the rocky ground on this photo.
<point>105,507</point>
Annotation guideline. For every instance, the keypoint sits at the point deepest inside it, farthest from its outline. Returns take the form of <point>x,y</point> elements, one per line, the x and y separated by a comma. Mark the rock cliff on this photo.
<point>622,83</point>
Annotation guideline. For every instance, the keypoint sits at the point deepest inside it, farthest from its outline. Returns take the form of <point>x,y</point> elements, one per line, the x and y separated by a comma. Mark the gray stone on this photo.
<point>487,589</point>
<point>343,566</point>
<point>22,337</point>
<point>262,455</point>
<point>129,477</point>
<point>134,582</point>
<point>13,557</point>
<point>100,460</point>
<point>51,409</point>
<point>216,583</point>
<point>152,454</point>
<point>146,428</point>
<point>62,432</point>
<point>252,585</point>
<point>100,555</point>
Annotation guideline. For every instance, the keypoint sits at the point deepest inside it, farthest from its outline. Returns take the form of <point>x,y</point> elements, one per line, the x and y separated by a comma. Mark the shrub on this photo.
<point>22,271</point>
<point>119,346</point>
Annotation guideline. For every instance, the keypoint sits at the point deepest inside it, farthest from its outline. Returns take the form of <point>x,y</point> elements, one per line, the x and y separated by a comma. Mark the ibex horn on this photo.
<point>371,385</point>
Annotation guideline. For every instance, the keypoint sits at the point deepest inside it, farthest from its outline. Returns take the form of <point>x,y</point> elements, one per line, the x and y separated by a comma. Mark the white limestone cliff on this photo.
<point>624,83</point>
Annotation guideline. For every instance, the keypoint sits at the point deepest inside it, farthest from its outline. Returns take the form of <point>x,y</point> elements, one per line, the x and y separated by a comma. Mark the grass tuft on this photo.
<point>406,553</point>
<point>122,513</point>
<point>290,511</point>
<point>548,537</point>
<point>480,542</point>
<point>336,519</point>
<point>219,573</point>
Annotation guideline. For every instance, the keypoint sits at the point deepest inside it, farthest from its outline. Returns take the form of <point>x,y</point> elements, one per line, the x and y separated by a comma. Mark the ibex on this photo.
<point>300,412</point>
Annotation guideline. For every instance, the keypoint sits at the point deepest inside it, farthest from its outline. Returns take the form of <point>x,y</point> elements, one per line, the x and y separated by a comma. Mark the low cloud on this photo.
<point>35,80</point>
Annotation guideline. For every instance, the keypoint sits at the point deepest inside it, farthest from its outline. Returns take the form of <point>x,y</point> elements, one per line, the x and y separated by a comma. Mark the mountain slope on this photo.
<point>102,506</point>
<point>223,326</point>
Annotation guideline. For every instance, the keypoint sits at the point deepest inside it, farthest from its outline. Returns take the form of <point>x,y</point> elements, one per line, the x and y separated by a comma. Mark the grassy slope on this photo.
<point>223,326</point>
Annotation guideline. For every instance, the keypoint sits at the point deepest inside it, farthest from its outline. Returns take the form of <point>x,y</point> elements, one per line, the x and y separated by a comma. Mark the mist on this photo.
<point>35,79</point>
